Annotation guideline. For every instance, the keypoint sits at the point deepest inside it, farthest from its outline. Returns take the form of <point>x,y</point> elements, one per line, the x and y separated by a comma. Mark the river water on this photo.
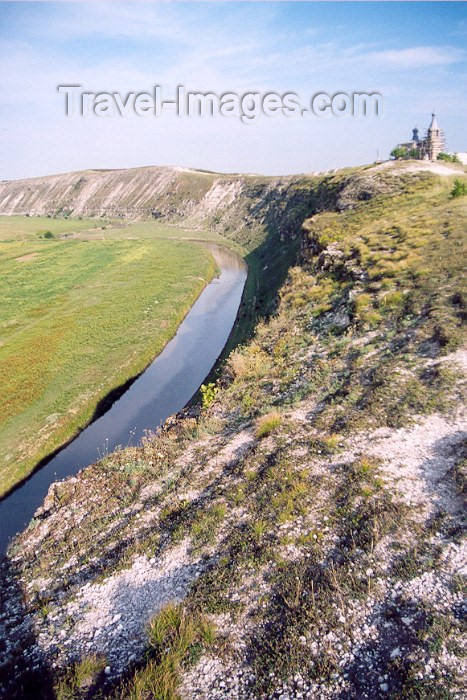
<point>163,389</point>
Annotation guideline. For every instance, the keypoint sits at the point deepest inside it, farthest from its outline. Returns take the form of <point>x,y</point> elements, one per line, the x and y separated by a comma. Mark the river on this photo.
<point>163,389</point>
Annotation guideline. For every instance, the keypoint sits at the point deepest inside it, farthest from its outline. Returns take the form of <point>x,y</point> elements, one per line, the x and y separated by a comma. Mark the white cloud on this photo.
<point>419,56</point>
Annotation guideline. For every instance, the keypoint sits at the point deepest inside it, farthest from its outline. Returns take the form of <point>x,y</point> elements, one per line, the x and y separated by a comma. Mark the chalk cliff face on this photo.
<point>85,192</point>
<point>244,208</point>
<point>303,535</point>
<point>197,198</point>
<point>139,193</point>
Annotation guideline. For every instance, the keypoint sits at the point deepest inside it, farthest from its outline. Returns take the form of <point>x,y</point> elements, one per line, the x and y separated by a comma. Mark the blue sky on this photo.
<point>412,53</point>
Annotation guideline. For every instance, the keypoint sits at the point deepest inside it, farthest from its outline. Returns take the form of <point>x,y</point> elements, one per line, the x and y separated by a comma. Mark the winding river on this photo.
<point>163,389</point>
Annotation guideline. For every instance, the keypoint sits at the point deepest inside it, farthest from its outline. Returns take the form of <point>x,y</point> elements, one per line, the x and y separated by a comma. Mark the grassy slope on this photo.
<point>69,335</point>
<point>305,536</point>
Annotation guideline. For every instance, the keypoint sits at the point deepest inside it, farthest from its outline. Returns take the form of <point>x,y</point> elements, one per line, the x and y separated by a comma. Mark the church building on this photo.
<point>431,146</point>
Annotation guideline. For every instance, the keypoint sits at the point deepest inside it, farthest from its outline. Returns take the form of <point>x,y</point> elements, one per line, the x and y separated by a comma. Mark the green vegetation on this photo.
<point>459,189</point>
<point>148,229</point>
<point>206,523</point>
<point>68,334</point>
<point>266,424</point>
<point>176,640</point>
<point>80,679</point>
<point>400,153</point>
<point>208,393</point>
<point>448,157</point>
<point>16,228</point>
<point>404,153</point>
<point>380,274</point>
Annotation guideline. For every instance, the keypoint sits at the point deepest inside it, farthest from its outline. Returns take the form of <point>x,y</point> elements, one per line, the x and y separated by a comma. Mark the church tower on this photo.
<point>434,141</point>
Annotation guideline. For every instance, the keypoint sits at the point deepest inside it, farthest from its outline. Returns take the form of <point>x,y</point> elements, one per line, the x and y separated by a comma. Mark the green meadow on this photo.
<point>85,306</point>
<point>16,228</point>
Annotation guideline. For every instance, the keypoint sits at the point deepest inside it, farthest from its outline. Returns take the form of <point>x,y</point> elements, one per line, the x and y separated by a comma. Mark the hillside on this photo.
<point>199,198</point>
<point>303,536</point>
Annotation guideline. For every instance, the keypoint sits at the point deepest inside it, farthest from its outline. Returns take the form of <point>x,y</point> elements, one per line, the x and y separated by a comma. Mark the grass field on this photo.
<point>83,310</point>
<point>145,229</point>
<point>15,228</point>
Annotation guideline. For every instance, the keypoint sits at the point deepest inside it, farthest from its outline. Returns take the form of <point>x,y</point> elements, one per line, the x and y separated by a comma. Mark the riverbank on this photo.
<point>163,389</point>
<point>69,335</point>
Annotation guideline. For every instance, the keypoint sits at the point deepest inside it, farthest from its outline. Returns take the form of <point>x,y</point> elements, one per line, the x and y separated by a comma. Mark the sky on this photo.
<point>412,53</point>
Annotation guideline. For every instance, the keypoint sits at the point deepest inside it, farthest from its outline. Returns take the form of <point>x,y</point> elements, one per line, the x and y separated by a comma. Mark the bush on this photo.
<point>208,393</point>
<point>249,363</point>
<point>266,424</point>
<point>459,189</point>
<point>448,157</point>
<point>399,152</point>
<point>49,234</point>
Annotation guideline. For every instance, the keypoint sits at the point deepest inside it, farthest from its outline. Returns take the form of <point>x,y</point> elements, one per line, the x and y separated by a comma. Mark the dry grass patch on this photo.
<point>176,640</point>
<point>267,424</point>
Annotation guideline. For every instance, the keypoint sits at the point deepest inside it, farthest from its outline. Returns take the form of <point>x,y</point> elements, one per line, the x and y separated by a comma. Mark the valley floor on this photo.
<point>69,338</point>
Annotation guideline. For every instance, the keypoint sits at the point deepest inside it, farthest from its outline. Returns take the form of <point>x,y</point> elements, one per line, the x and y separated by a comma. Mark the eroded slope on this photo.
<point>303,536</point>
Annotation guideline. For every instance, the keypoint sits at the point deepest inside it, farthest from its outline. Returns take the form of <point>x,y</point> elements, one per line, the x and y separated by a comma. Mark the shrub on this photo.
<point>250,362</point>
<point>459,189</point>
<point>208,393</point>
<point>399,152</point>
<point>448,157</point>
<point>49,234</point>
<point>266,424</point>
